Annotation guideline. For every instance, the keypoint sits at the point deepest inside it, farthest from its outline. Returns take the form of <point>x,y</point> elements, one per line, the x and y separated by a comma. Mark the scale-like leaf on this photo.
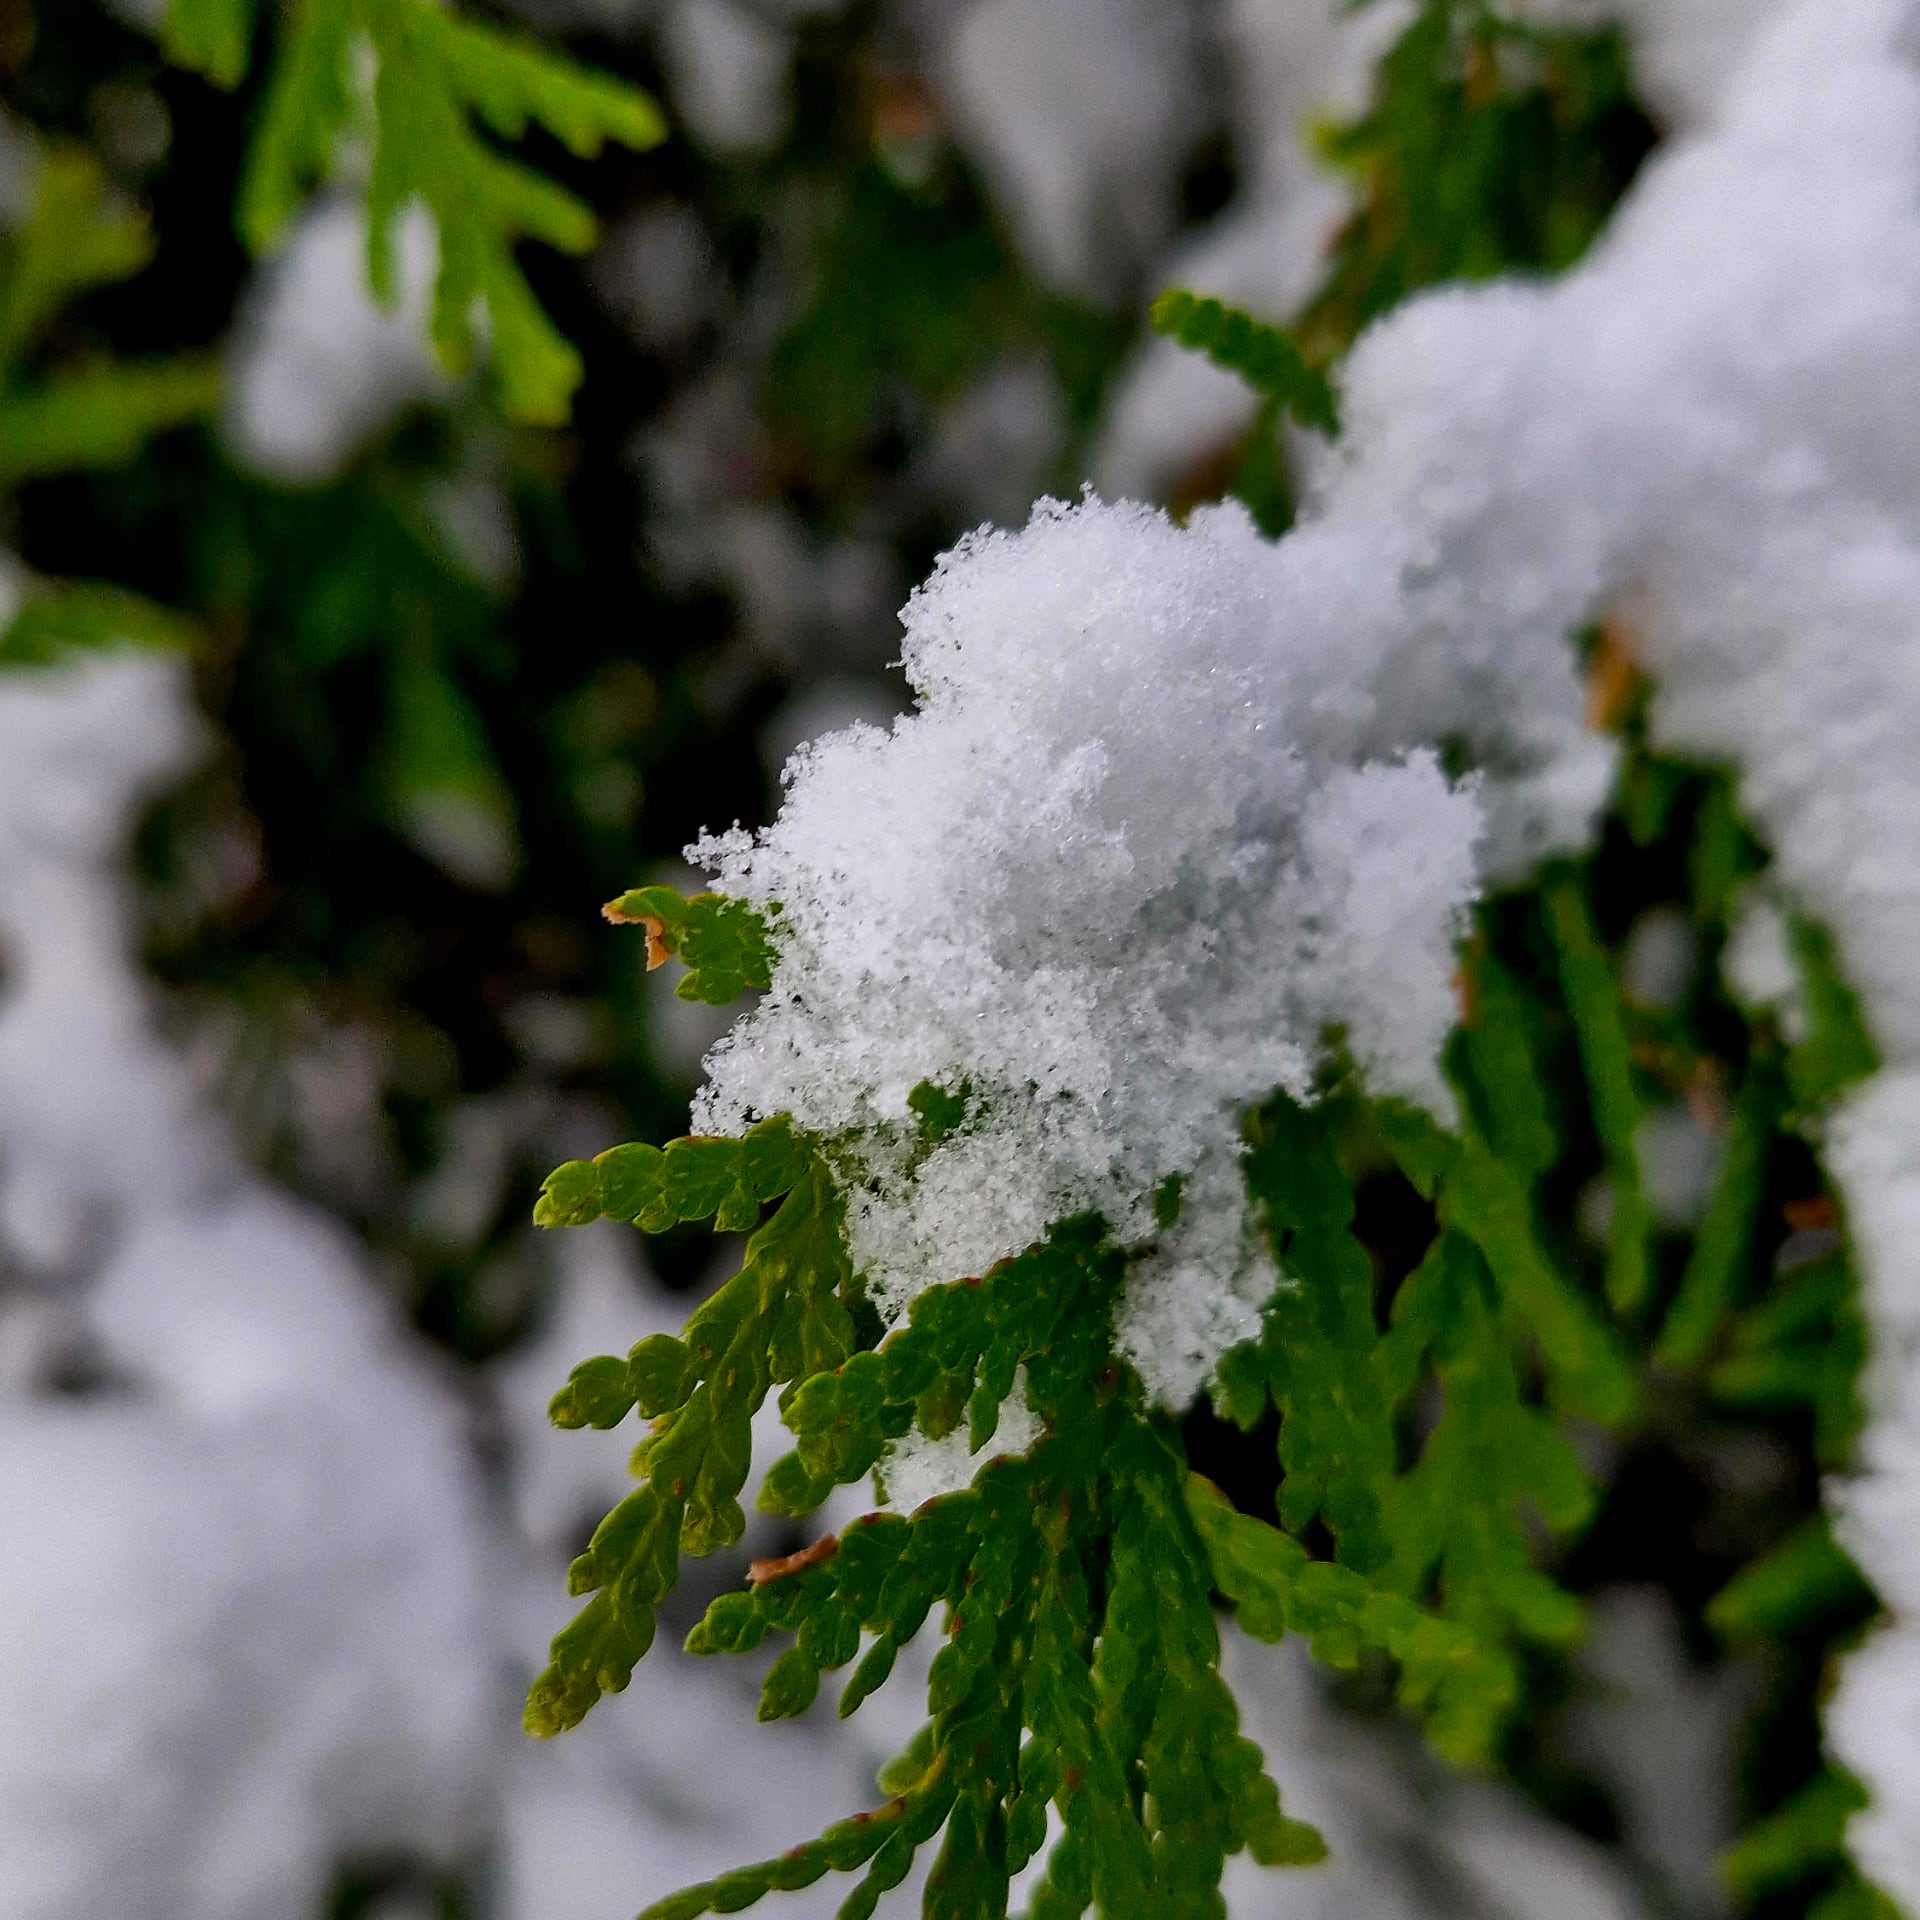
<point>1464,1682</point>
<point>1265,356</point>
<point>724,943</point>
<point>1593,998</point>
<point>779,1318</point>
<point>434,75</point>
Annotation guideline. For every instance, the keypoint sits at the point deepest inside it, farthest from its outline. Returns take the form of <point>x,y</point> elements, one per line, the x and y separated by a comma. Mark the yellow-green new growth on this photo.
<point>433,76</point>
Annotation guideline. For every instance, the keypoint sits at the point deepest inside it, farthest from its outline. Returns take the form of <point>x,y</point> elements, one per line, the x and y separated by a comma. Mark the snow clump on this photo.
<point>1105,887</point>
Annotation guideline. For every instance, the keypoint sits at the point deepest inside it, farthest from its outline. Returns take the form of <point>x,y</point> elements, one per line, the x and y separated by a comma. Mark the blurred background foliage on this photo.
<point>464,677</point>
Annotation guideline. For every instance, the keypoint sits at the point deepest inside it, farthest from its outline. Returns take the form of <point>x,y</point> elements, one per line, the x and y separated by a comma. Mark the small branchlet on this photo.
<point>724,943</point>
<point>434,76</point>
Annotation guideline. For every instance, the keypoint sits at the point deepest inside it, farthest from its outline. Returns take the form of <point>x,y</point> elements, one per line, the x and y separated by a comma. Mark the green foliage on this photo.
<point>724,943</point>
<point>1080,1668</point>
<point>214,37</point>
<point>1802,1346</point>
<point>1423,1403</point>
<point>1496,1068</point>
<point>1808,1833</point>
<point>941,1113</point>
<point>913,292</point>
<point>1837,1050</point>
<point>99,416</point>
<point>1264,356</point>
<point>352,588</point>
<point>435,75</point>
<point>1453,1523</point>
<point>81,415</point>
<point>780,1318</point>
<point>1489,144</point>
<point>1593,997</point>
<point>75,616</point>
<point>1316,1359</point>
<point>1485,1203</point>
<point>1462,1682</point>
<point>692,1179</point>
<point>1428,1393</point>
<point>1722,1249</point>
<point>910,295</point>
<point>1805,1581</point>
<point>1097,1693</point>
<point>444,785</point>
<point>75,238</point>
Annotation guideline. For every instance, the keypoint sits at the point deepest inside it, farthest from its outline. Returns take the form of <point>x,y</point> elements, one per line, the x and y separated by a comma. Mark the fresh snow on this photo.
<point>1107,882</point>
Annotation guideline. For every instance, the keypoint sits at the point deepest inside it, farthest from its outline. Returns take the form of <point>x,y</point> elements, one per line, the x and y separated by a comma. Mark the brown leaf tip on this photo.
<point>761,1571</point>
<point>659,950</point>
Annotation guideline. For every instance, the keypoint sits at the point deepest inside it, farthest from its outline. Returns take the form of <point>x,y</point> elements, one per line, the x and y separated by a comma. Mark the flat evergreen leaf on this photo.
<point>907,1769</point>
<point>1133,1736</point>
<point>444,783</point>
<point>730,1179</point>
<point>1723,1247</point>
<point>86,616</point>
<point>1650,790</point>
<point>1264,356</point>
<point>1806,1578</point>
<point>100,417</point>
<point>434,75</point>
<point>790,1685</point>
<point>1722,852</point>
<point>1852,1898</point>
<point>1490,144</point>
<point>779,1317</point>
<point>1801,1838</point>
<point>1501,1073</point>
<point>511,82</point>
<point>1319,1336</point>
<point>1459,1517</point>
<point>1593,997</point>
<point>723,942</point>
<point>939,1111</point>
<point>1484,1199</point>
<point>598,1393</point>
<point>76,235</point>
<point>841,1849</point>
<point>1464,1683</point>
<point>1804,1345</point>
<point>1837,1050</point>
<point>312,97</point>
<point>212,37</point>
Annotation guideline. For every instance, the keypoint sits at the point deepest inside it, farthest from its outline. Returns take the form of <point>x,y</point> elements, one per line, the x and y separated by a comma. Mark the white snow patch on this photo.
<point>321,367</point>
<point>1108,880</point>
<point>242,1606</point>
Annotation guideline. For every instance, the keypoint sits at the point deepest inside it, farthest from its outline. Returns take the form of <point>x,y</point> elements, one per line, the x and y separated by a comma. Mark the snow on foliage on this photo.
<point>255,1603</point>
<point>1106,889</point>
<point>1169,807</point>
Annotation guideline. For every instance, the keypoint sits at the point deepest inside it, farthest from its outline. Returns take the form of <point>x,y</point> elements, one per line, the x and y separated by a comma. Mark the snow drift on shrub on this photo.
<point>1170,807</point>
<point>1108,888</point>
